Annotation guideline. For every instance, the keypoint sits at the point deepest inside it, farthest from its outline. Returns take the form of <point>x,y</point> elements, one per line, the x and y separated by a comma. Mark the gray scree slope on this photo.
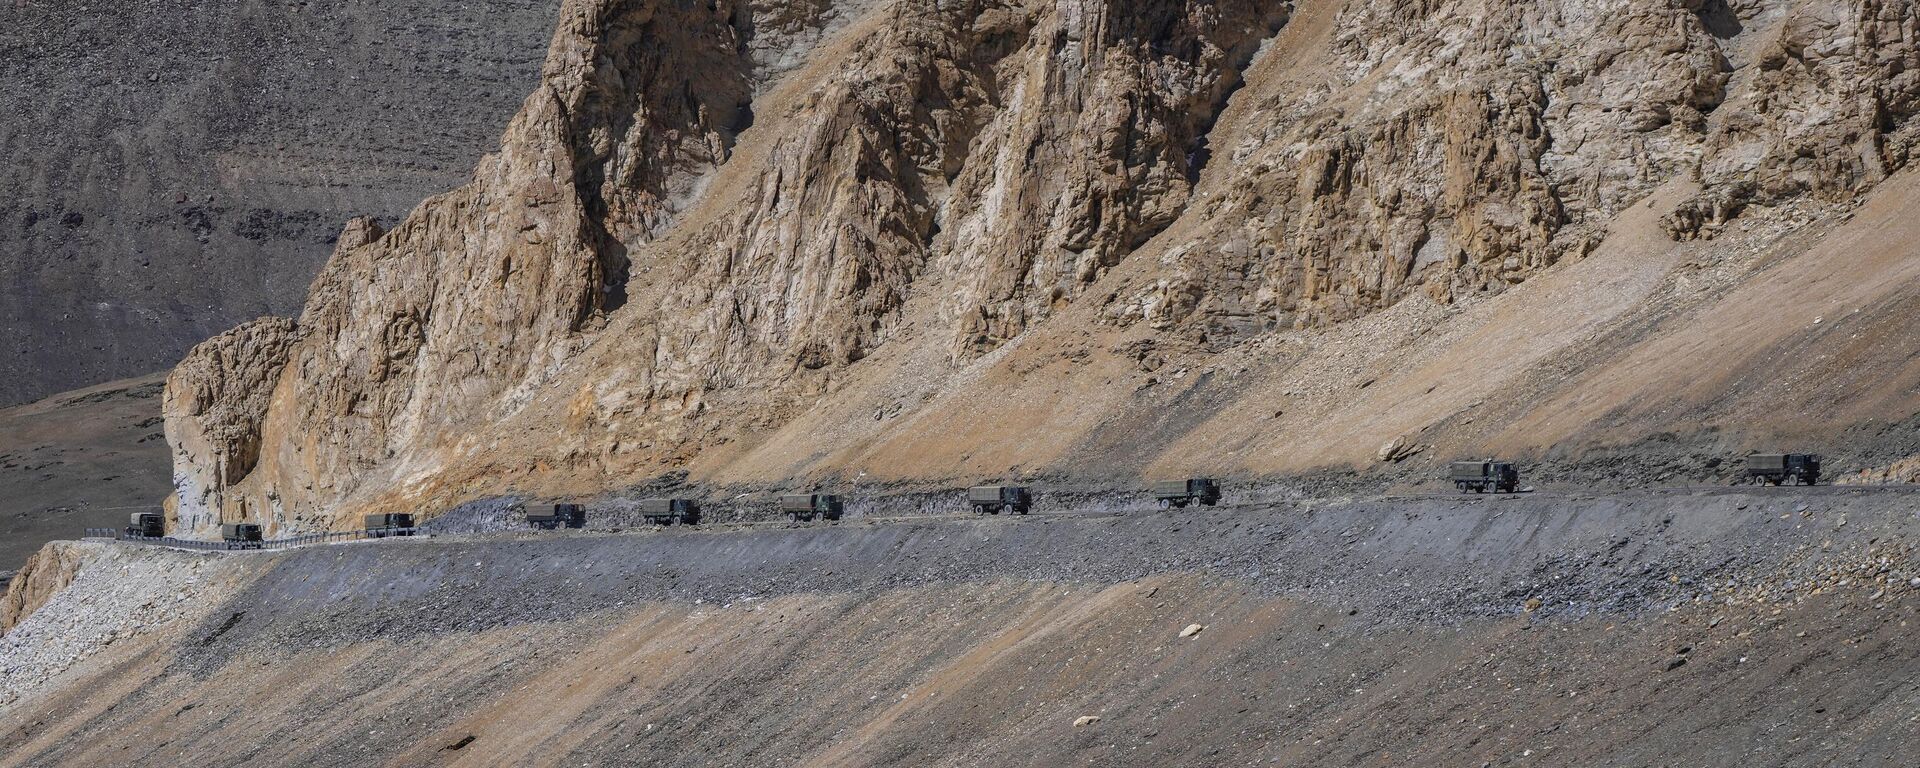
<point>174,167</point>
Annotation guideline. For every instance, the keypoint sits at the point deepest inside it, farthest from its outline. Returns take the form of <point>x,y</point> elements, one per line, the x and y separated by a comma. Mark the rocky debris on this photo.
<point>1085,720</point>
<point>45,573</point>
<point>1192,629</point>
<point>969,622</point>
<point>1905,470</point>
<point>1385,561</point>
<point>1397,449</point>
<point>81,597</point>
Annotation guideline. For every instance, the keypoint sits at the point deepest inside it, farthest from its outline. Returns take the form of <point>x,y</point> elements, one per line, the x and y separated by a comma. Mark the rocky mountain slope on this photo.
<point>1735,628</point>
<point>177,167</point>
<point>925,243</point>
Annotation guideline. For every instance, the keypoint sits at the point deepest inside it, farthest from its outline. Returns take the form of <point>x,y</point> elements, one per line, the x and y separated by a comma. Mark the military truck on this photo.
<point>1180,493</point>
<point>241,535</point>
<point>152,525</point>
<point>670,511</point>
<point>387,524</point>
<point>1485,476</point>
<point>991,499</point>
<point>803,507</point>
<point>561,516</point>
<point>1783,468</point>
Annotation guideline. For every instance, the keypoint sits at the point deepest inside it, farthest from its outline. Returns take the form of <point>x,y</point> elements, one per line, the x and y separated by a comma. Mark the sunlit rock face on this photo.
<point>710,217</point>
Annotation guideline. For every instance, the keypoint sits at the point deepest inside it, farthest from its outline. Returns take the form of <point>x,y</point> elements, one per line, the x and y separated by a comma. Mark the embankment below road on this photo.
<point>1722,627</point>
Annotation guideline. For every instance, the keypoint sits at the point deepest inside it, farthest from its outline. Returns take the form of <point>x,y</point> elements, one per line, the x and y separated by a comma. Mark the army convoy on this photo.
<point>1476,476</point>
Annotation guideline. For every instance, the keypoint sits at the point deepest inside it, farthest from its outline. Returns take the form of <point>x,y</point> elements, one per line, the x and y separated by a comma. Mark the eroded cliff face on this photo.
<point>215,402</point>
<point>712,219</point>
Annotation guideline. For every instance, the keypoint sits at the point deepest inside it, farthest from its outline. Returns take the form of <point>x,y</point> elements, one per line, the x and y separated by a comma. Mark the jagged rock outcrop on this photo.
<point>479,296</point>
<point>1100,136</point>
<point>1825,108</point>
<point>214,404</point>
<point>1442,147</point>
<point>710,216</point>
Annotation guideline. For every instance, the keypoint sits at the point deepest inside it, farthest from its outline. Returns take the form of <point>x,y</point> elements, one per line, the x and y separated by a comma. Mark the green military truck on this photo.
<point>150,525</point>
<point>670,511</point>
<point>992,499</point>
<point>1485,476</point>
<point>1783,468</point>
<point>387,524</point>
<point>1180,493</point>
<point>241,535</point>
<point>804,507</point>
<point>560,516</point>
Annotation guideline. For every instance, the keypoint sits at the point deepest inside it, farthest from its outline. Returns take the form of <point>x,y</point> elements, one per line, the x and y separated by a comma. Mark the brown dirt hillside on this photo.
<point>79,460</point>
<point>927,243</point>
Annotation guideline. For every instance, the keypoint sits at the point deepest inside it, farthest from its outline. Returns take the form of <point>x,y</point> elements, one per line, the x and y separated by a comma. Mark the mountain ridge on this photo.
<point>683,253</point>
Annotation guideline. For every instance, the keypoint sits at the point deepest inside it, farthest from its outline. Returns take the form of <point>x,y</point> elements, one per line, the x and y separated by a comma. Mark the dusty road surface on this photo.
<point>1712,628</point>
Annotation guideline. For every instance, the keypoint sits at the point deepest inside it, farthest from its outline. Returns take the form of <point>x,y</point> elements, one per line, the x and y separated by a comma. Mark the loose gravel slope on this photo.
<point>1708,627</point>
